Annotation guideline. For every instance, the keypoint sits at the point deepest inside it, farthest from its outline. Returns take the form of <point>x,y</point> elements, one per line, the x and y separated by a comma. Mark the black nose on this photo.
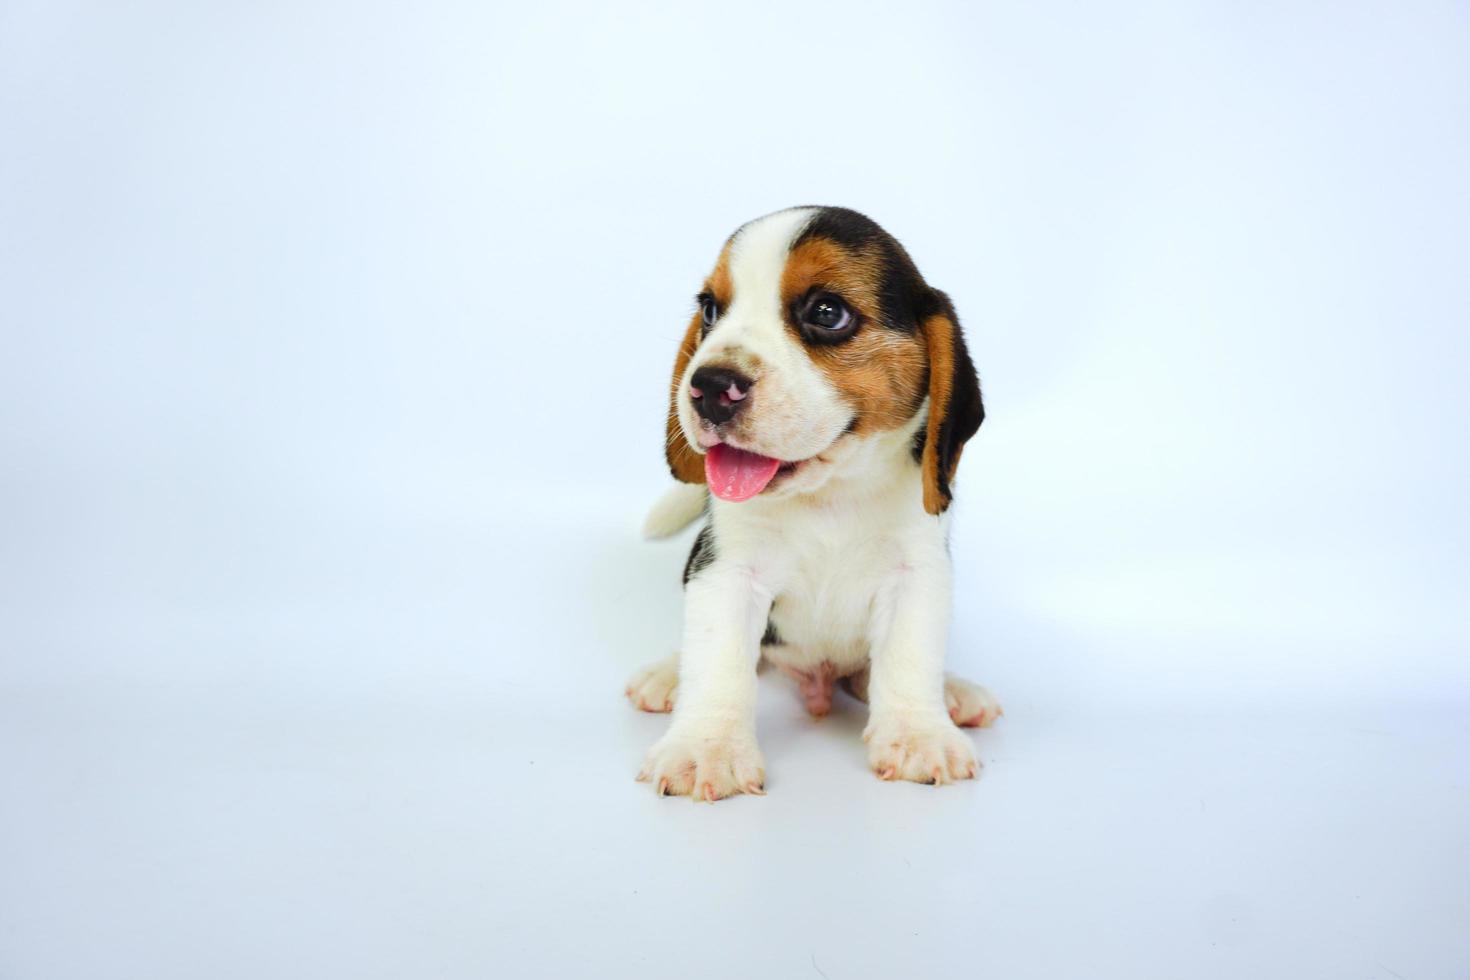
<point>718,393</point>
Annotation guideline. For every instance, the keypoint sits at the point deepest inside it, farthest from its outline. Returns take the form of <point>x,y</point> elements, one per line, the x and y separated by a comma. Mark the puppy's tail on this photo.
<point>675,510</point>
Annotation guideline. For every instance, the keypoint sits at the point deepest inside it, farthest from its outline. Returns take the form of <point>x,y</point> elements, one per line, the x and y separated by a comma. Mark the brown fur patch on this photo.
<point>938,333</point>
<point>718,284</point>
<point>853,275</point>
<point>879,372</point>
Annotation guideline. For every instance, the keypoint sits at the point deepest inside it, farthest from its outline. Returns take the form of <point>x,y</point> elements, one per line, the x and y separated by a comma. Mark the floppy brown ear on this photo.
<point>955,409</point>
<point>686,464</point>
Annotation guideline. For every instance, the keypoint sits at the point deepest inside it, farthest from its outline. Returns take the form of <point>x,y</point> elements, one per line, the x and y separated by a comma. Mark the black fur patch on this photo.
<point>702,554</point>
<point>771,637</point>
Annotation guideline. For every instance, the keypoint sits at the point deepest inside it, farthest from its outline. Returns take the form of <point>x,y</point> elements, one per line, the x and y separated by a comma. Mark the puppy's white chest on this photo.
<point>839,568</point>
<point>823,613</point>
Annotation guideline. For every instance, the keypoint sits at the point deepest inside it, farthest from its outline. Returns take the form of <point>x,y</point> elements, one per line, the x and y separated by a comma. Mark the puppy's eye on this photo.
<point>827,312</point>
<point>708,310</point>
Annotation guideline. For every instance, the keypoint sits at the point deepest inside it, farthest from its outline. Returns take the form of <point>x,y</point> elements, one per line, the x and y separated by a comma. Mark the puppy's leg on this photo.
<point>653,688</point>
<point>709,751</point>
<point>910,734</point>
<point>970,705</point>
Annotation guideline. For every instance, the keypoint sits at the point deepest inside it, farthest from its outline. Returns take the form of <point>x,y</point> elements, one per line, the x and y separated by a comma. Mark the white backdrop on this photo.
<point>335,344</point>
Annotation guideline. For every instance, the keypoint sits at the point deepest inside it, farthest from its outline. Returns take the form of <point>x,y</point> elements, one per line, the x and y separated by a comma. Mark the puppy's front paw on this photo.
<point>705,765</point>
<point>924,750</point>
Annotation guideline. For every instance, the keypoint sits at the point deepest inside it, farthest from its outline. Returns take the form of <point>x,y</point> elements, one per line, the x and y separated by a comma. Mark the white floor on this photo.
<point>334,351</point>
<point>405,779</point>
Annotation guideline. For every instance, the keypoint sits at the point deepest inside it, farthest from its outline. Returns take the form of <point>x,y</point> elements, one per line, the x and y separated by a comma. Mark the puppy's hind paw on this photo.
<point>970,705</point>
<point>653,688</point>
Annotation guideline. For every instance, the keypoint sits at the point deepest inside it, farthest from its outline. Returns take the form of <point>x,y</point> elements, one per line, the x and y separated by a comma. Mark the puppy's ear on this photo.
<point>955,409</point>
<point>686,464</point>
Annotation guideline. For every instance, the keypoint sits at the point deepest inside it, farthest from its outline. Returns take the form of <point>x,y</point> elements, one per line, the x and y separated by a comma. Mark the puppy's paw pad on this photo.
<point>706,768</point>
<point>655,688</point>
<point>934,752</point>
<point>970,705</point>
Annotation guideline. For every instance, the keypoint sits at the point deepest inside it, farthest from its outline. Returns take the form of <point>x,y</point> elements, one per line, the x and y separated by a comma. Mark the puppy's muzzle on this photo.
<point>718,393</point>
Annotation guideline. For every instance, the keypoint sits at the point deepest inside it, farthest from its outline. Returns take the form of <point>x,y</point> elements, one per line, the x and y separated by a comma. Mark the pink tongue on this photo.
<point>736,475</point>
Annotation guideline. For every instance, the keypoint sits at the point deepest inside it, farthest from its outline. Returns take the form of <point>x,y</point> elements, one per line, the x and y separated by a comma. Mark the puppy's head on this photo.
<point>814,335</point>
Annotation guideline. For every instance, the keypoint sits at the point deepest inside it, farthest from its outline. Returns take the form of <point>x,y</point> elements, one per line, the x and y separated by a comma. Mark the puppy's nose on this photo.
<point>718,393</point>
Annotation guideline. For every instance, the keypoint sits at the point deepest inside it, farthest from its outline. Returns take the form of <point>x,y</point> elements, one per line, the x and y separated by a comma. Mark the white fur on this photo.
<point>841,556</point>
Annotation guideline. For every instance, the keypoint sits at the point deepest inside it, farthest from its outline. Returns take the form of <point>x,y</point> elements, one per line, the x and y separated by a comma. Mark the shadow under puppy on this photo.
<point>822,395</point>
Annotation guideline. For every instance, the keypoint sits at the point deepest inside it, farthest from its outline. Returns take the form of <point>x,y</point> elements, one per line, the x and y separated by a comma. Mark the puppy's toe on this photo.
<point>926,750</point>
<point>706,766</point>
<point>970,705</point>
<point>654,688</point>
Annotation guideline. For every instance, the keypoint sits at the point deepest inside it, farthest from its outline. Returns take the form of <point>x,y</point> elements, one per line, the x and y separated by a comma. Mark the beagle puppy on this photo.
<point>821,397</point>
